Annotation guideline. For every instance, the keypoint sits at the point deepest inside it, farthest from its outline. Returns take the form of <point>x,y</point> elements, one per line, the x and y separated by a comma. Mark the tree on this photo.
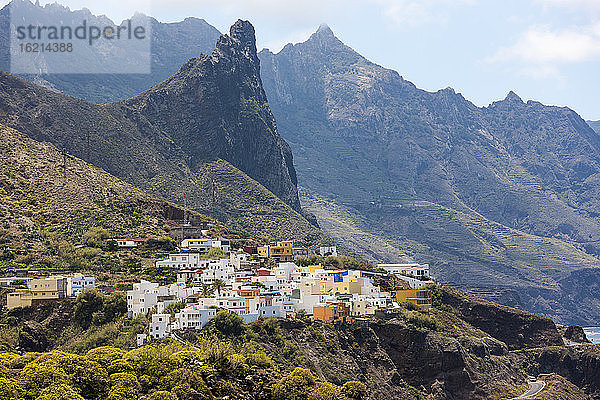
<point>93,307</point>
<point>295,386</point>
<point>217,285</point>
<point>207,291</point>
<point>229,324</point>
<point>94,235</point>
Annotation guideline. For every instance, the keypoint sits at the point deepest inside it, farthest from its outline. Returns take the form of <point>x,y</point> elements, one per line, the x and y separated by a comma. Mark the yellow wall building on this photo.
<point>38,290</point>
<point>280,251</point>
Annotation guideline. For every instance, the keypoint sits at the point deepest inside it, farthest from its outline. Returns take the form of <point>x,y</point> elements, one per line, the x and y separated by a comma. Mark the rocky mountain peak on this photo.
<point>243,32</point>
<point>512,97</point>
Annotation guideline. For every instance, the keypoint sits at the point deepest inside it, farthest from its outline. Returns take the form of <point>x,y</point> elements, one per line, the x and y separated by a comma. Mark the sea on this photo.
<point>593,334</point>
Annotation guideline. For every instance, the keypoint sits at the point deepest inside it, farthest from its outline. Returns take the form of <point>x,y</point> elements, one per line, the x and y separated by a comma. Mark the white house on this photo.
<point>204,245</point>
<point>159,327</point>
<point>195,317</point>
<point>142,298</point>
<point>127,243</point>
<point>182,261</point>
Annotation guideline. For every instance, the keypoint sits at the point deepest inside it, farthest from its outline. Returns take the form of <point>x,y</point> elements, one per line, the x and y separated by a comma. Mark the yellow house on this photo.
<point>38,290</point>
<point>354,286</point>
<point>280,251</point>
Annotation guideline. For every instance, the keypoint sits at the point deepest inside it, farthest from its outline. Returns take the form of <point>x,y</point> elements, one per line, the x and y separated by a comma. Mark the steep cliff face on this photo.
<point>210,122</point>
<point>493,197</point>
<point>518,329</point>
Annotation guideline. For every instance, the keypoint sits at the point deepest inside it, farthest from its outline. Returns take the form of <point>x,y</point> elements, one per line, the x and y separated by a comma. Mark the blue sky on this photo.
<point>545,50</point>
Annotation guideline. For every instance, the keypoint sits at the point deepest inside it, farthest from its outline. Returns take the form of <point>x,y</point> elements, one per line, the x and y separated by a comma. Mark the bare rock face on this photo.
<point>215,107</point>
<point>575,333</point>
<point>518,329</point>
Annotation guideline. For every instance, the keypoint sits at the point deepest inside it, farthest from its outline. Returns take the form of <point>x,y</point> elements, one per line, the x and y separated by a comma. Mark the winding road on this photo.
<point>534,389</point>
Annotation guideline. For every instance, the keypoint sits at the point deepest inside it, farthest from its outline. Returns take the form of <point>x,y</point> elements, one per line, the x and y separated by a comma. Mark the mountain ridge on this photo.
<point>498,191</point>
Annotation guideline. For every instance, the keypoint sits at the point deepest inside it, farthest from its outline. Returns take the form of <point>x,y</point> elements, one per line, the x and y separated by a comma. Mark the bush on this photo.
<point>93,307</point>
<point>354,390</point>
<point>229,324</point>
<point>421,320</point>
<point>436,294</point>
<point>59,391</point>
<point>105,355</point>
<point>325,391</point>
<point>162,395</point>
<point>215,252</point>
<point>94,235</point>
<point>295,386</point>
<point>409,306</point>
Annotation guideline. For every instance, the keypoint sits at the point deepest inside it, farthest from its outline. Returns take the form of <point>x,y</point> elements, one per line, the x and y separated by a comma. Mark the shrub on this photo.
<point>105,355</point>
<point>409,306</point>
<point>421,320</point>
<point>9,389</point>
<point>295,386</point>
<point>59,391</point>
<point>93,307</point>
<point>215,252</point>
<point>354,390</point>
<point>94,235</point>
<point>162,395</point>
<point>325,391</point>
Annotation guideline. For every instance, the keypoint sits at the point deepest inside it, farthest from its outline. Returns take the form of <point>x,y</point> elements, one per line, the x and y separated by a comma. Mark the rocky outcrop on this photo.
<point>518,329</point>
<point>215,107</point>
<point>579,364</point>
<point>576,334</point>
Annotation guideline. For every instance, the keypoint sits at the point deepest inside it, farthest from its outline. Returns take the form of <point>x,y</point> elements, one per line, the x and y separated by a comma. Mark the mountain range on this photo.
<point>206,127</point>
<point>500,200</point>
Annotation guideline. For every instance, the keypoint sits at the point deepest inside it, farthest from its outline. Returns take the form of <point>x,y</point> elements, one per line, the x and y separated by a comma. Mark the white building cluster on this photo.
<point>241,286</point>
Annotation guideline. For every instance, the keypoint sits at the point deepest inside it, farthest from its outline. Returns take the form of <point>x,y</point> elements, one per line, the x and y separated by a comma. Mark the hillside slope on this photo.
<point>501,198</point>
<point>595,125</point>
<point>208,122</point>
<point>42,189</point>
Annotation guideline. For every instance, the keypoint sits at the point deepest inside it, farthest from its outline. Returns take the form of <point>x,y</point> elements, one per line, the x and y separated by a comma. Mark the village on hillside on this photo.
<point>276,280</point>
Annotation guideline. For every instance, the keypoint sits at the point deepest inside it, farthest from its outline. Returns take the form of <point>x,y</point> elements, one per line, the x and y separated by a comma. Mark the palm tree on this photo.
<point>207,291</point>
<point>217,285</point>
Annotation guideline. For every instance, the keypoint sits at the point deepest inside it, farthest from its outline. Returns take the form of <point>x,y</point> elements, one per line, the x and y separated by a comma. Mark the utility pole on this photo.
<point>214,199</point>
<point>88,147</point>
<point>64,154</point>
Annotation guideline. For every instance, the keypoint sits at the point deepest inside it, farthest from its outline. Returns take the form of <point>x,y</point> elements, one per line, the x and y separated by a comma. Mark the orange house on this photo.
<point>324,313</point>
<point>419,297</point>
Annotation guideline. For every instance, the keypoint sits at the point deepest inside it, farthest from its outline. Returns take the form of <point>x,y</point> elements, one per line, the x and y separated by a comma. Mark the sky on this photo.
<point>544,50</point>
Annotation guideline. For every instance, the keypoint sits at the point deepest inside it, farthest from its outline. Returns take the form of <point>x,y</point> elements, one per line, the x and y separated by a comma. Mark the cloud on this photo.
<point>572,4</point>
<point>410,13</point>
<point>541,45</point>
